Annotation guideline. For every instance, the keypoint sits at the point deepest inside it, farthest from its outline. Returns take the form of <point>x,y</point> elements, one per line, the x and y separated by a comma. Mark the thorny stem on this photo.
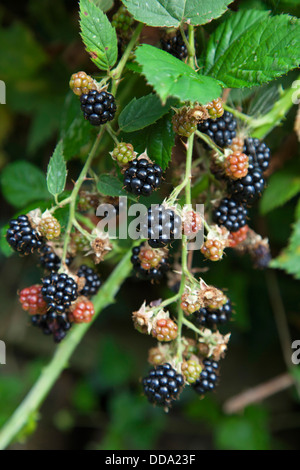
<point>32,402</point>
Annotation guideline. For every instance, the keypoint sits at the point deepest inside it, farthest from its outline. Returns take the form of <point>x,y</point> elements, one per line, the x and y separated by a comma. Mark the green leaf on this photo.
<point>22,183</point>
<point>109,185</point>
<point>252,48</point>
<point>98,35</point>
<point>289,258</point>
<point>5,248</point>
<point>173,12</point>
<point>157,139</point>
<point>142,112</point>
<point>57,171</point>
<point>172,77</point>
<point>105,5</point>
<point>282,187</point>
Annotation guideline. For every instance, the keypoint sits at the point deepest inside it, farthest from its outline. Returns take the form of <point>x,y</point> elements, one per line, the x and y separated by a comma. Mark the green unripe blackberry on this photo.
<point>191,371</point>
<point>183,123</point>
<point>123,153</point>
<point>122,20</point>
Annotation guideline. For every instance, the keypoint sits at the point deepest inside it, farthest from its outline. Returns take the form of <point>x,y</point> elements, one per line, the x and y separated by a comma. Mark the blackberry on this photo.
<point>141,177</point>
<point>213,249</point>
<point>154,273</point>
<point>231,214</point>
<point>98,107</point>
<point>83,311</point>
<point>208,377</point>
<point>50,227</point>
<point>162,226</point>
<point>32,300</point>
<point>191,370</point>
<point>163,385</point>
<point>52,324</point>
<point>49,260</point>
<point>59,290</point>
<point>249,188</point>
<point>81,83</point>
<point>165,330</point>
<point>175,46</point>
<point>222,130</point>
<point>258,152</point>
<point>92,281</point>
<point>22,237</point>
<point>209,318</point>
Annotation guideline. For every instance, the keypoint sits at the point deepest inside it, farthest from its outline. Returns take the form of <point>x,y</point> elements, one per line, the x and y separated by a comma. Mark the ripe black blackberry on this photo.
<point>249,188</point>
<point>175,46</point>
<point>22,237</point>
<point>49,260</point>
<point>258,153</point>
<point>92,281</point>
<point>156,273</point>
<point>59,290</point>
<point>141,177</point>
<point>98,107</point>
<point>52,324</point>
<point>162,225</point>
<point>211,318</point>
<point>231,214</point>
<point>221,130</point>
<point>208,377</point>
<point>163,385</point>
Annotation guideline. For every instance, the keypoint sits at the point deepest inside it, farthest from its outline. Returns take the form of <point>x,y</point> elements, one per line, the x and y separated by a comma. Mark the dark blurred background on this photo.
<point>98,402</point>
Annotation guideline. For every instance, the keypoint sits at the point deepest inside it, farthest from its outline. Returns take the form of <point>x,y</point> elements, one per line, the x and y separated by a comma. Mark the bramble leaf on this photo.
<point>57,171</point>
<point>289,258</point>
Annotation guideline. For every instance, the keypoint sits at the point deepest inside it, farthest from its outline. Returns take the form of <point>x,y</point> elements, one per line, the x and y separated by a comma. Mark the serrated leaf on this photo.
<point>172,77</point>
<point>289,258</point>
<point>251,48</point>
<point>282,187</point>
<point>98,35</point>
<point>57,171</point>
<point>109,185</point>
<point>173,12</point>
<point>105,5</point>
<point>22,183</point>
<point>157,139</point>
<point>142,112</point>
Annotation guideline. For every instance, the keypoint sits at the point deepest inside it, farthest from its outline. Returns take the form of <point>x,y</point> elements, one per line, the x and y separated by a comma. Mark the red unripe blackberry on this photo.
<point>92,281</point>
<point>213,250</point>
<point>162,225</point>
<point>258,152</point>
<point>175,46</point>
<point>165,330</point>
<point>22,237</point>
<point>231,214</point>
<point>49,227</point>
<point>81,83</point>
<point>123,153</point>
<point>208,378</point>
<point>154,269</point>
<point>59,290</point>
<point>163,385</point>
<point>222,130</point>
<point>213,317</point>
<point>236,165</point>
<point>238,237</point>
<point>83,312</point>
<point>141,177</point>
<point>98,107</point>
<point>191,223</point>
<point>215,108</point>
<point>32,300</point>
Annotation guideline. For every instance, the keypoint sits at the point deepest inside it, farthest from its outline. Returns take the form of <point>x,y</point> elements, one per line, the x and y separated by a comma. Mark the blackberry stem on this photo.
<point>210,142</point>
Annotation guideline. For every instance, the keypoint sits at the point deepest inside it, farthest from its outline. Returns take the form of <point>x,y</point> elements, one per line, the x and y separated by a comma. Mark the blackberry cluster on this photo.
<point>163,385</point>
<point>155,273</point>
<point>98,107</point>
<point>208,377</point>
<point>175,46</point>
<point>49,260</point>
<point>210,318</point>
<point>258,153</point>
<point>222,130</point>
<point>250,187</point>
<point>52,324</point>
<point>22,237</point>
<point>231,214</point>
<point>92,281</point>
<point>161,227</point>
<point>141,177</point>
<point>59,290</point>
